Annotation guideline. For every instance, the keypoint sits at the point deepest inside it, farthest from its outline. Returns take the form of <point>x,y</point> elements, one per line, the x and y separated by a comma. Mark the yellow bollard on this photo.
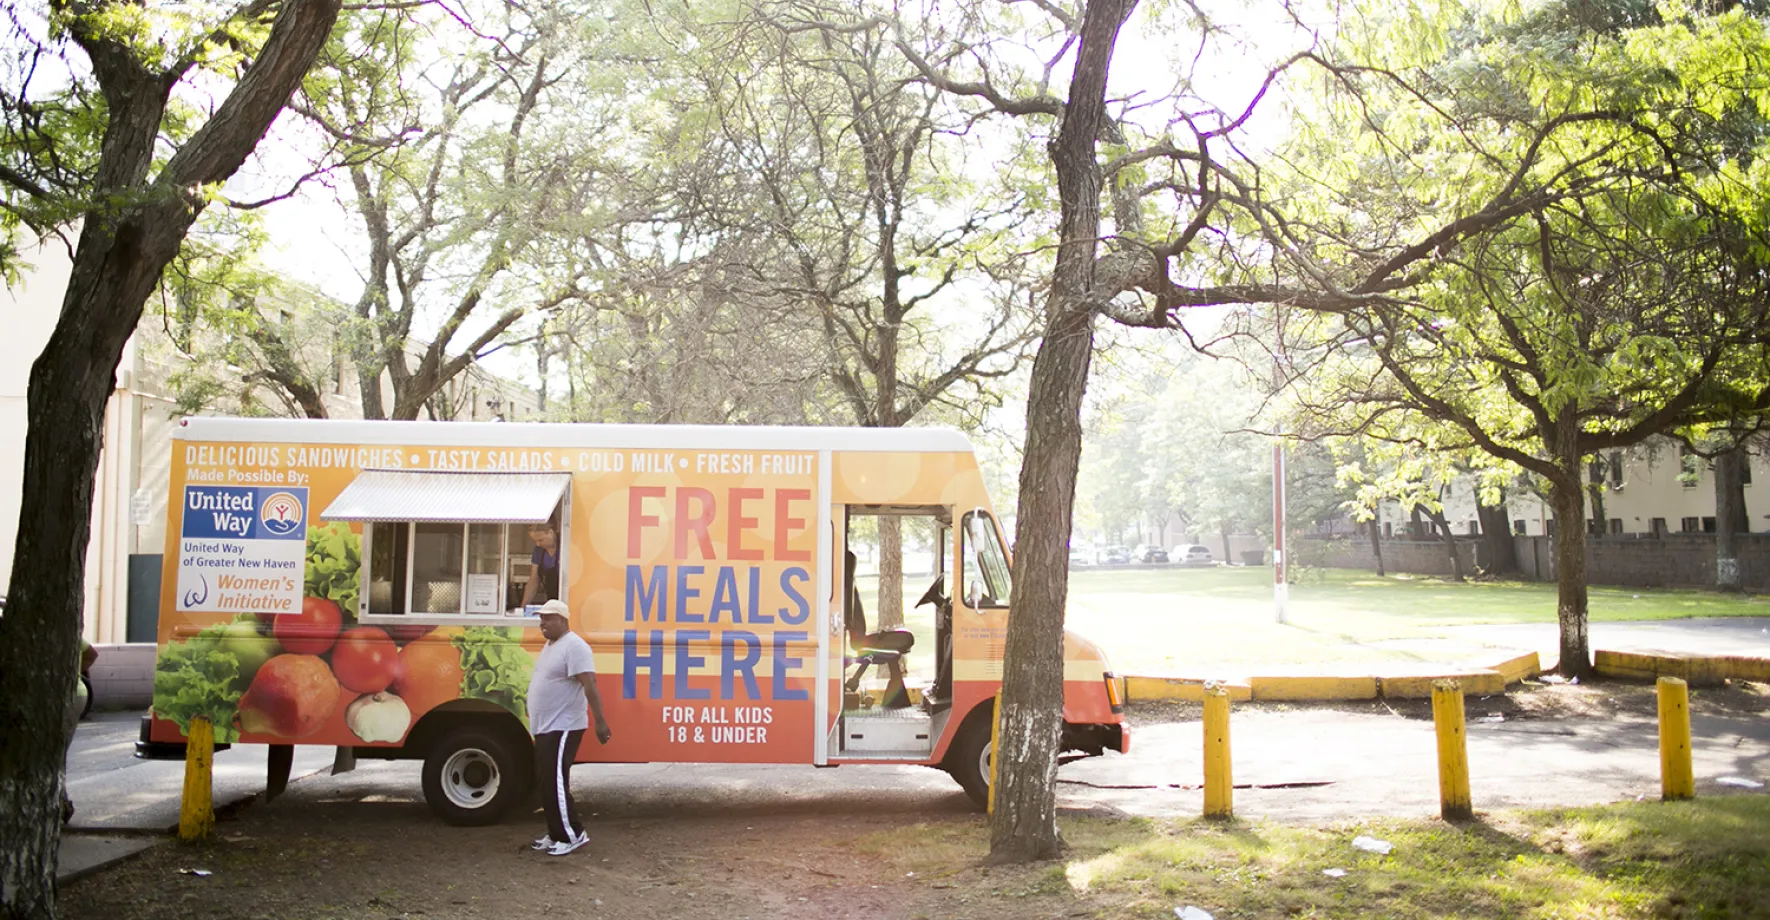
<point>1453,751</point>
<point>1677,780</point>
<point>1219,781</point>
<point>196,816</point>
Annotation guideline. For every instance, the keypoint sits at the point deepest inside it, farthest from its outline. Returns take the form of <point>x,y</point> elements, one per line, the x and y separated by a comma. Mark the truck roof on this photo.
<point>572,435</point>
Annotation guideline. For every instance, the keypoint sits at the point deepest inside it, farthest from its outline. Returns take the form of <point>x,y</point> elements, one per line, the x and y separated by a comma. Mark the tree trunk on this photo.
<point>1450,544</point>
<point>1730,517</point>
<point>1570,575</point>
<point>1600,523</point>
<point>1023,825</point>
<point>890,572</point>
<point>117,262</point>
<point>1496,536</point>
<point>1377,539</point>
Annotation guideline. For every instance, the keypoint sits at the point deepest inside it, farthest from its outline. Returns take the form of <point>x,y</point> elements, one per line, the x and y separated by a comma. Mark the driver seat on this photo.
<point>886,647</point>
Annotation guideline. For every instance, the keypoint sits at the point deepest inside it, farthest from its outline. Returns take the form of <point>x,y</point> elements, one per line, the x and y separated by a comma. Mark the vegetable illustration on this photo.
<point>292,696</point>
<point>365,659</point>
<point>198,677</point>
<point>312,631</point>
<point>333,558</point>
<point>497,667</point>
<point>378,717</point>
<point>429,672</point>
<point>249,645</point>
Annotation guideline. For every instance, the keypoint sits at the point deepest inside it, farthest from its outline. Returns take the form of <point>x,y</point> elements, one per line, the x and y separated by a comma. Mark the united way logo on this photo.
<point>281,513</point>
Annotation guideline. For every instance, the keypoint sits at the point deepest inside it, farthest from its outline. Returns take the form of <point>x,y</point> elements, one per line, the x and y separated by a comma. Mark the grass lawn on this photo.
<point>1167,620</point>
<point>1220,621</point>
<point>1704,858</point>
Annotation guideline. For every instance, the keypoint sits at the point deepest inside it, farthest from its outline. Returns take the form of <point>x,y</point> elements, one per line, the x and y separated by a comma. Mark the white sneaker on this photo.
<point>563,847</point>
<point>543,842</point>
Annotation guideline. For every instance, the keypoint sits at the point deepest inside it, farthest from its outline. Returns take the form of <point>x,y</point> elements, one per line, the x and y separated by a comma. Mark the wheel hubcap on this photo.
<point>470,778</point>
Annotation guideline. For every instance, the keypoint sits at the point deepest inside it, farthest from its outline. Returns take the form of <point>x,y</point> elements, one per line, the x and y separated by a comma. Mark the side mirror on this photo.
<point>973,594</point>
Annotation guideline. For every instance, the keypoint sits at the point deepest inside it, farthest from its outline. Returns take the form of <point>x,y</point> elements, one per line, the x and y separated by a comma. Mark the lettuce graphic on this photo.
<point>195,678</point>
<point>497,667</point>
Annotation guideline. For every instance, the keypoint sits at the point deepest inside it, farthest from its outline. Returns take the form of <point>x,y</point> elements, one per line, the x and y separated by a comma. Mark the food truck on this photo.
<point>366,584</point>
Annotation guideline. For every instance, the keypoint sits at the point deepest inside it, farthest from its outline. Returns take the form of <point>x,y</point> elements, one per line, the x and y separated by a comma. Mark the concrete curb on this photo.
<point>1479,680</point>
<point>1398,683</point>
<point>1698,670</point>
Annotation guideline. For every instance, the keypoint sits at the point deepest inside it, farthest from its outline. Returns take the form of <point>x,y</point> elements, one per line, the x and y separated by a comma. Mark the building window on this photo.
<point>1616,468</point>
<point>1691,473</point>
<point>1689,525</point>
<point>1745,470</point>
<point>1616,525</point>
<point>1594,526</point>
<point>1657,526</point>
<point>1388,529</point>
<point>1595,471</point>
<point>1474,529</point>
<point>1518,526</point>
<point>1708,525</point>
<point>1549,527</point>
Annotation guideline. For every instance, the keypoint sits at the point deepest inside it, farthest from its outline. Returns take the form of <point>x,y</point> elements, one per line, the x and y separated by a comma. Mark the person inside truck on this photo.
<point>544,561</point>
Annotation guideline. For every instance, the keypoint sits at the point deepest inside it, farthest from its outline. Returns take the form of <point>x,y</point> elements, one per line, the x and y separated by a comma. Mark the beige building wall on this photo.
<point>1648,489</point>
<point>126,467</point>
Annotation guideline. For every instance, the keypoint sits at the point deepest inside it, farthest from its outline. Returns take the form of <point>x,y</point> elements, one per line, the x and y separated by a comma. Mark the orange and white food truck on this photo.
<point>365,585</point>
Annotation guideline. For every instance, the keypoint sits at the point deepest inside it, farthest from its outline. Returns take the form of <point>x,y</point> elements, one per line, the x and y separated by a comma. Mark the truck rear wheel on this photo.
<point>473,776</point>
<point>968,759</point>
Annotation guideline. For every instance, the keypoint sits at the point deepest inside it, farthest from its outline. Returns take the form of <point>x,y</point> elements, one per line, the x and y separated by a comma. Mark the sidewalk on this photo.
<point>123,805</point>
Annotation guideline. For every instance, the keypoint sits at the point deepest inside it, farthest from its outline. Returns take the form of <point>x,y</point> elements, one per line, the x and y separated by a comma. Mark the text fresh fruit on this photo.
<point>311,631</point>
<point>292,696</point>
<point>365,660</point>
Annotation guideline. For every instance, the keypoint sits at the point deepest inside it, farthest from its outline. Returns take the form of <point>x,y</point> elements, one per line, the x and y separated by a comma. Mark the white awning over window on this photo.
<point>438,495</point>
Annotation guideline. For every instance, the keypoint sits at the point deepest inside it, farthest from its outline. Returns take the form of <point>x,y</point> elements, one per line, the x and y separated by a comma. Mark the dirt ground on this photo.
<point>307,856</point>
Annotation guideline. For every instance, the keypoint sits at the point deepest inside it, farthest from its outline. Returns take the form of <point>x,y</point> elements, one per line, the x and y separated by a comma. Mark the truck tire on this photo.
<point>473,776</point>
<point>968,759</point>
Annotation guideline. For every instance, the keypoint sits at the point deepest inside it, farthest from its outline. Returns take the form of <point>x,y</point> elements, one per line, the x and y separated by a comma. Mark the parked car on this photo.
<point>1115,555</point>
<point>1192,554</point>
<point>1146,552</point>
<point>1080,556</point>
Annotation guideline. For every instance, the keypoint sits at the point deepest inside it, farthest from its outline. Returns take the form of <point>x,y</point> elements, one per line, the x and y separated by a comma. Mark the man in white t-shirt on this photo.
<point>563,682</point>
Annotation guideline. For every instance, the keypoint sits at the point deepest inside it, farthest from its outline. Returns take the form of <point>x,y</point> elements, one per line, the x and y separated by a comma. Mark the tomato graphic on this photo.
<point>311,631</point>
<point>365,660</point>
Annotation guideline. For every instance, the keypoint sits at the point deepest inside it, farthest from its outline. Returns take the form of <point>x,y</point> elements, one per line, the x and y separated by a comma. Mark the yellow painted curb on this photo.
<point>1513,670</point>
<point>1696,670</point>
<point>1313,687</point>
<point>1189,689</point>
<point>1473,683</point>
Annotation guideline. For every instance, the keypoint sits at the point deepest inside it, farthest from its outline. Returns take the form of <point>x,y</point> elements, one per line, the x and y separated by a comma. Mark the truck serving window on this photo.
<point>447,568</point>
<point>986,565</point>
<point>442,544</point>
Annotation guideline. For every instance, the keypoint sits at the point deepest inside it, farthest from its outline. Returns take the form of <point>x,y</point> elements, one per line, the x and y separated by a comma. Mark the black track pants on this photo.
<point>554,753</point>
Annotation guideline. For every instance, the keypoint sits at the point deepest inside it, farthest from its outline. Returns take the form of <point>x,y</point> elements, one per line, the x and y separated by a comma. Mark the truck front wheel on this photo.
<point>473,776</point>
<point>968,760</point>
